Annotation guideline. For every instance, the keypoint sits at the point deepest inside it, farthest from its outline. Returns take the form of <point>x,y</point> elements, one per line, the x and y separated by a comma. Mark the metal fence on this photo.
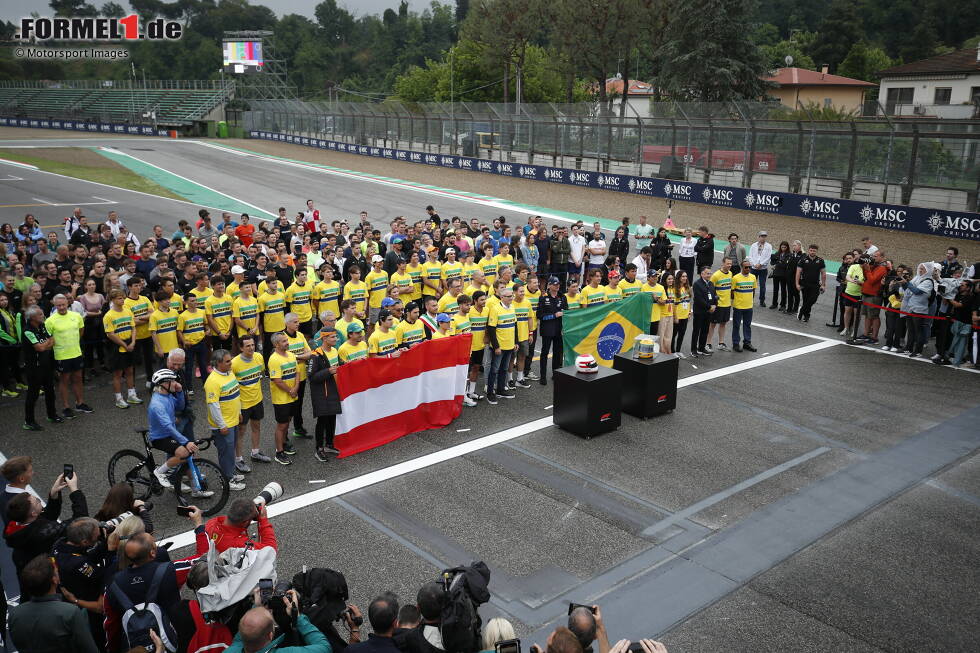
<point>919,162</point>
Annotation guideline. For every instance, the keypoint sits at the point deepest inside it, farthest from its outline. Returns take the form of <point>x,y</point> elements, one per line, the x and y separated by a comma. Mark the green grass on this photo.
<point>83,163</point>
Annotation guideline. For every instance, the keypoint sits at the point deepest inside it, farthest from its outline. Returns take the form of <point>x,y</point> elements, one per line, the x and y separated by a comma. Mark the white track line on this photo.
<point>38,199</point>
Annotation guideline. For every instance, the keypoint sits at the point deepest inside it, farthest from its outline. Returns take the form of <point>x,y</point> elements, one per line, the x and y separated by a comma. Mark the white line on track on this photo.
<point>38,199</point>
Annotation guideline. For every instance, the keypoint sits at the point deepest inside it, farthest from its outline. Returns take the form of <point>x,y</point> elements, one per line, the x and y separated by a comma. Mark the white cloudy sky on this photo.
<point>13,10</point>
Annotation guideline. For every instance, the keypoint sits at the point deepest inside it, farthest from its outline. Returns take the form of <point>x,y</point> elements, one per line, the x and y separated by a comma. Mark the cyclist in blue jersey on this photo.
<point>161,413</point>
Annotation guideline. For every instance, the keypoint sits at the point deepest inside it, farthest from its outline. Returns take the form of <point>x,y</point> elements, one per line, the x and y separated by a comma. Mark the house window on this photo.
<point>898,96</point>
<point>942,95</point>
<point>827,102</point>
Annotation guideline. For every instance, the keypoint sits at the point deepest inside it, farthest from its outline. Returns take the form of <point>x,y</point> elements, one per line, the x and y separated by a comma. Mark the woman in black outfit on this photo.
<point>661,247</point>
<point>620,246</point>
<point>780,260</point>
<point>324,394</point>
<point>796,257</point>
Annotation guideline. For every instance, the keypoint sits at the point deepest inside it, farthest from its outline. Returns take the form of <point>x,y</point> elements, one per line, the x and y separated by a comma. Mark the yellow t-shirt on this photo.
<point>273,310</point>
<point>461,324</point>
<point>233,290</point>
<point>357,292</point>
<point>468,270</point>
<point>403,281</point>
<point>140,308</point>
<point>656,292</point>
<point>743,288</point>
<point>297,346</point>
<point>431,278</point>
<point>165,326</point>
<point>349,353</point>
<point>416,272</point>
<point>283,368</point>
<point>191,326</point>
<point>489,267</point>
<point>409,334</point>
<point>377,283</point>
<point>436,335</point>
<point>219,310</point>
<point>448,304</point>
<point>613,295</point>
<point>342,325</point>
<point>523,311</point>
<point>381,343</point>
<point>300,300</point>
<point>66,330</point>
<point>667,310</point>
<point>478,327</point>
<point>176,303</point>
<point>682,304</point>
<point>223,389</point>
<point>327,294</point>
<point>723,286</point>
<point>470,289</point>
<point>246,310</point>
<point>119,323</point>
<point>592,296</point>
<point>202,294</point>
<point>629,288</point>
<point>452,271</point>
<point>504,320</point>
<point>249,375</point>
<point>853,289</point>
<point>500,260</point>
<point>574,302</point>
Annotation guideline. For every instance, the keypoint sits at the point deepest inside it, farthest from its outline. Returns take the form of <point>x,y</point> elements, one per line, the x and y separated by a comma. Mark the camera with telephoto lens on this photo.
<point>269,493</point>
<point>110,524</point>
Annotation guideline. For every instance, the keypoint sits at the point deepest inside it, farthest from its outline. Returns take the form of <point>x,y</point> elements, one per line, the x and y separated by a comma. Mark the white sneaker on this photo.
<point>844,332</point>
<point>236,483</point>
<point>468,402</point>
<point>163,480</point>
<point>681,355</point>
<point>121,403</point>
<point>202,494</point>
<point>886,347</point>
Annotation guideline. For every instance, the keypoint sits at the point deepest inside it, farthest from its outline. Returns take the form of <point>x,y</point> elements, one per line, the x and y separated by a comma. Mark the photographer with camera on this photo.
<point>585,622</point>
<point>383,615</point>
<point>83,556</point>
<point>32,529</point>
<point>257,630</point>
<point>231,531</point>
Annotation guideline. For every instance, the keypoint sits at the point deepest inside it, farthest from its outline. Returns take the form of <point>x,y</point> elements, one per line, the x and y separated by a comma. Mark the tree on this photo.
<point>863,62</point>
<point>505,28</point>
<point>112,10</point>
<point>775,55</point>
<point>840,29</point>
<point>72,8</point>
<point>921,44</point>
<point>708,55</point>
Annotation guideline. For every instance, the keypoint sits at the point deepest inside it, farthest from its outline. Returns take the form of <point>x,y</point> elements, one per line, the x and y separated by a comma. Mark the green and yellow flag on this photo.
<point>605,330</point>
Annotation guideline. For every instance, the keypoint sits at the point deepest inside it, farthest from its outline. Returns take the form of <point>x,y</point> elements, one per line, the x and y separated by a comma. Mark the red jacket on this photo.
<point>226,536</point>
<point>207,638</point>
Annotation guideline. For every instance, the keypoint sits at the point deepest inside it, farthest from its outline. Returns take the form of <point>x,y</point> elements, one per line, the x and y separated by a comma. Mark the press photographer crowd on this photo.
<point>245,312</point>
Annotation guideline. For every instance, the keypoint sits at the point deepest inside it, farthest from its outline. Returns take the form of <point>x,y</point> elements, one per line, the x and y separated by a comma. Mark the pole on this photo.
<point>452,104</point>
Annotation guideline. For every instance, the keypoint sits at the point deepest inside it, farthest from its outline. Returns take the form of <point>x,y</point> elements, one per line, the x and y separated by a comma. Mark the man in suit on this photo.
<point>705,301</point>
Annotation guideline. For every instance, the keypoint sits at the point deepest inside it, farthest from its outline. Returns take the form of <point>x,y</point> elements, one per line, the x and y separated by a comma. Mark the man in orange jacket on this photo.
<point>231,531</point>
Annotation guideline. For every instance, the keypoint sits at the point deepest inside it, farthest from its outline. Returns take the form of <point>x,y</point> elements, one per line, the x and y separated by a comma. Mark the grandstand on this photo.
<point>165,103</point>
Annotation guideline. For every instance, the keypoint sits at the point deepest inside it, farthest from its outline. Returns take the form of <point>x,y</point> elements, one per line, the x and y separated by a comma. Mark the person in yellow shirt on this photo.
<point>682,310</point>
<point>326,294</point>
<point>744,287</point>
<point>501,332</point>
<point>217,311</point>
<point>666,328</point>
<point>630,285</point>
<point>202,290</point>
<point>163,328</point>
<point>432,277</point>
<point>355,348</point>
<point>324,364</point>
<point>478,327</point>
<point>522,309</point>
<point>347,316</point>
<point>283,390</point>
<point>248,368</point>
<point>451,269</point>
<point>448,303</point>
<point>234,289</point>
<point>722,281</point>
<point>299,301</point>
<point>653,288</point>
<point>593,294</point>
<point>245,312</point>
<point>401,280</point>
<point>410,331</point>
<point>382,342</point>
<point>139,305</point>
<point>487,264</point>
<point>300,349</point>
<point>357,291</point>
<point>478,282</point>
<point>469,267</point>
<point>503,258</point>
<point>223,399</point>
<point>191,331</point>
<point>120,329</point>
<point>377,285</point>
<point>532,292</point>
<point>272,307</point>
<point>572,296</point>
<point>613,292</point>
<point>444,326</point>
<point>415,270</point>
<point>461,320</point>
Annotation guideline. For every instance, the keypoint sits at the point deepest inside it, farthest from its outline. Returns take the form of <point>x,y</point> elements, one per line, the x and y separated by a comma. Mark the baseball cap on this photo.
<point>197,257</point>
<point>387,301</point>
<point>552,280</point>
<point>397,238</point>
<point>450,250</point>
<point>354,327</point>
<point>237,269</point>
<point>614,274</point>
<point>377,258</point>
<point>443,317</point>
<point>651,273</point>
<point>763,233</point>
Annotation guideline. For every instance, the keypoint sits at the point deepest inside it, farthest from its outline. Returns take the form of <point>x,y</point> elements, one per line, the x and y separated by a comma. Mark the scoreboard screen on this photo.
<point>242,56</point>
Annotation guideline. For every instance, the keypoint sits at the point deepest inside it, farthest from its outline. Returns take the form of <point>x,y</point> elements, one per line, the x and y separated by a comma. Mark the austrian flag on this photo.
<point>383,399</point>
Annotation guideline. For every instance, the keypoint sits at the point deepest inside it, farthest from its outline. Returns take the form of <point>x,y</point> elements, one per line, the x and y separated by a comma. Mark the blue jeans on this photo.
<point>226,450</point>
<point>199,353</point>
<point>760,277</point>
<point>499,366</point>
<point>961,339</point>
<point>741,317</point>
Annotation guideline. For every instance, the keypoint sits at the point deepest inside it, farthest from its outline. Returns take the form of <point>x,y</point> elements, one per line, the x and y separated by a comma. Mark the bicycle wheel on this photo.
<point>212,481</point>
<point>128,466</point>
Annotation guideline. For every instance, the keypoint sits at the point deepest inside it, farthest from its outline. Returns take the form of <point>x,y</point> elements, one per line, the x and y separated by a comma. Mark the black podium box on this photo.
<point>649,385</point>
<point>587,404</point>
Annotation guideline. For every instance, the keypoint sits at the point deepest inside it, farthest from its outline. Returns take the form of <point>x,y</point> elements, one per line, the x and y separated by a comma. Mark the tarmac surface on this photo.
<point>812,496</point>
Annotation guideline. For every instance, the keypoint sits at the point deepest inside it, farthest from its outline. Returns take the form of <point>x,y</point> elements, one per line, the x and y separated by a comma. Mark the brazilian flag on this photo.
<point>605,330</point>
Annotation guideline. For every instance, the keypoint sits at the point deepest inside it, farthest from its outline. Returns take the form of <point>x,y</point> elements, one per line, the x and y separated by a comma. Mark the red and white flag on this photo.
<point>383,399</point>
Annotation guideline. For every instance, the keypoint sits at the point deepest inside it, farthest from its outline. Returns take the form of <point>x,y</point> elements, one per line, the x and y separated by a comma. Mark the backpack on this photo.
<point>137,620</point>
<point>460,622</point>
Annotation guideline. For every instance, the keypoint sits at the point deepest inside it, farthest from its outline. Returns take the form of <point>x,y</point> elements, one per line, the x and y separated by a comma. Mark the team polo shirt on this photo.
<point>381,343</point>
<point>432,277</point>
<point>273,309</point>
<point>377,284</point>
<point>613,294</point>
<point>300,300</point>
<point>223,389</point>
<point>120,323</point>
<point>165,326</point>
<point>281,367</point>
<point>452,271</point>
<point>403,281</point>
<point>327,294</point>
<point>349,352</point>
<point>219,310</point>
<point>810,270</point>
<point>723,286</point>
<point>233,290</point>
<point>409,334</point>
<point>191,325</point>
<point>478,327</point>
<point>682,304</point>
<point>468,270</point>
<point>592,296</point>
<point>489,268</point>
<point>342,325</point>
<point>448,304</point>
<point>246,310</point>
<point>461,324</point>
<point>522,309</point>
<point>357,292</point>
<point>140,308</point>
<point>416,273</point>
<point>65,329</point>
<point>249,375</point>
<point>743,286</point>
<point>298,345</point>
<point>504,320</point>
<point>573,301</point>
<point>629,288</point>
<point>656,292</point>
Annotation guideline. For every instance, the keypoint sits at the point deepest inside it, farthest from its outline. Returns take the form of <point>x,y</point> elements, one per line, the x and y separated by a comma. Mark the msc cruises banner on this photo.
<point>952,224</point>
<point>84,126</point>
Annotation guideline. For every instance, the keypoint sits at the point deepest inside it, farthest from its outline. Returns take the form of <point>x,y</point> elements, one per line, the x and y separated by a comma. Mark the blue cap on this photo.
<point>387,301</point>
<point>397,238</point>
<point>442,317</point>
<point>552,280</point>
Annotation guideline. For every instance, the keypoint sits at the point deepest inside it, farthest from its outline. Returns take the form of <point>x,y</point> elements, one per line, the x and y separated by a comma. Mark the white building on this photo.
<point>945,86</point>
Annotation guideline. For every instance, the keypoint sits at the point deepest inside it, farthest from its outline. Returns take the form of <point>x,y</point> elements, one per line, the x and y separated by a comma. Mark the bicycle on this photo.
<point>136,469</point>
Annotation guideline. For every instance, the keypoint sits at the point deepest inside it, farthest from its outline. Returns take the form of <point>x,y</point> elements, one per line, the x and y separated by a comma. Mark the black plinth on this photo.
<point>649,385</point>
<point>587,404</point>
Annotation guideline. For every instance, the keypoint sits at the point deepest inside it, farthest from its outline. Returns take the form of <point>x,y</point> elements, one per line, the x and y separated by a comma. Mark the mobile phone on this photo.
<point>572,606</point>
<point>69,471</point>
<point>509,646</point>
<point>185,511</point>
<point>265,589</point>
